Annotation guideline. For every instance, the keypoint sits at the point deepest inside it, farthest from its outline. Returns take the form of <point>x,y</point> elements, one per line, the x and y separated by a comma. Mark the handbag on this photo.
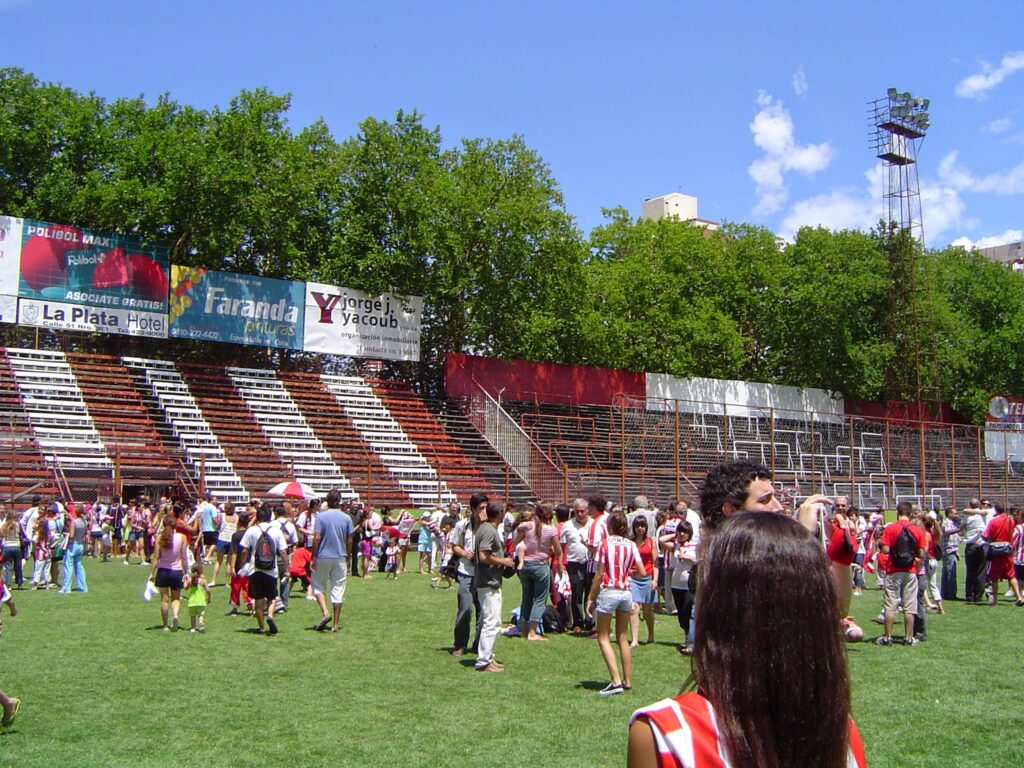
<point>999,549</point>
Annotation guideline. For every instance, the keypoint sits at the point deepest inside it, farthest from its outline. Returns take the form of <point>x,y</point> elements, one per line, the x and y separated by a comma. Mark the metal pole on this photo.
<point>851,427</point>
<point>771,434</point>
<point>1006,477</point>
<point>924,475</point>
<point>952,464</point>
<point>202,473</point>
<point>676,451</point>
<point>977,431</point>
<point>814,460</point>
<point>622,454</point>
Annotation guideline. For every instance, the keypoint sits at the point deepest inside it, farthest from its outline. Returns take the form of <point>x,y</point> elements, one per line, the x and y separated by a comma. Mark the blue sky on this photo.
<point>759,109</point>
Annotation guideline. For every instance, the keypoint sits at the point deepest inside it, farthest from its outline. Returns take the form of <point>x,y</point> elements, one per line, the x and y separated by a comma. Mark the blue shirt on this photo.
<point>333,527</point>
<point>208,512</point>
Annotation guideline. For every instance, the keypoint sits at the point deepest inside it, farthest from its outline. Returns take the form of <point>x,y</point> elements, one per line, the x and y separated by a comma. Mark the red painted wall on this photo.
<point>540,382</point>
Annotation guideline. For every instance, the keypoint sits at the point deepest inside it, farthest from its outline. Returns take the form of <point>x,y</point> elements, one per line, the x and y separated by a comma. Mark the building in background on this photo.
<point>1011,254</point>
<point>676,206</point>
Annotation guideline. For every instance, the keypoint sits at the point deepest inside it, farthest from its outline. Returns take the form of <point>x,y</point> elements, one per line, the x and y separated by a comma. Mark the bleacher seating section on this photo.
<point>120,417</point>
<point>74,424</point>
<point>368,476</point>
<point>423,428</point>
<point>170,401</point>
<point>23,471</point>
<point>66,422</point>
<point>288,432</point>
<point>402,457</point>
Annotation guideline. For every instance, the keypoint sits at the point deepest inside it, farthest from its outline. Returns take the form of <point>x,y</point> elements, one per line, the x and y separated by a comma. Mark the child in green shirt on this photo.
<point>197,596</point>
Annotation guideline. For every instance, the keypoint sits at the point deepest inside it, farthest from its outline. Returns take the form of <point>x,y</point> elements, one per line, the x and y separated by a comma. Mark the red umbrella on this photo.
<point>293,490</point>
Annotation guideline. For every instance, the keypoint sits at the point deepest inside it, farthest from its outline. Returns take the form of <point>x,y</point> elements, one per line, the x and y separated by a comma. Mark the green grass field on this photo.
<point>103,686</point>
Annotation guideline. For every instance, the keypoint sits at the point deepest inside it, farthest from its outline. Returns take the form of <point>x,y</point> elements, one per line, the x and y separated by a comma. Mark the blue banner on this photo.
<point>238,309</point>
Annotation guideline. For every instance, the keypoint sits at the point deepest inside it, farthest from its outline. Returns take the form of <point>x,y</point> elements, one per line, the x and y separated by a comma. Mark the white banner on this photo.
<point>340,321</point>
<point>78,317</point>
<point>10,256</point>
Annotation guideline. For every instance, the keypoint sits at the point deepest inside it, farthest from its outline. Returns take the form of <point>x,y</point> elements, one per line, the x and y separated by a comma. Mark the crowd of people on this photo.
<point>586,568</point>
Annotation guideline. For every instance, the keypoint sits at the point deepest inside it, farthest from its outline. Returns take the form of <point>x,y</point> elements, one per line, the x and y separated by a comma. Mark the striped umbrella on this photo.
<point>293,490</point>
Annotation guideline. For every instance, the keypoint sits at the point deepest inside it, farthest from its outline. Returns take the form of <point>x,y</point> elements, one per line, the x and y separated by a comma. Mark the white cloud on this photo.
<point>977,86</point>
<point>850,208</point>
<point>953,173</point>
<point>772,128</point>
<point>1009,236</point>
<point>1001,125</point>
<point>846,208</point>
<point>800,81</point>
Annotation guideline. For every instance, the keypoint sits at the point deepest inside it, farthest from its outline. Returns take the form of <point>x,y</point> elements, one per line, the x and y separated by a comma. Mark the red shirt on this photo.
<point>838,549</point>
<point>1000,528</point>
<point>299,563</point>
<point>889,537</point>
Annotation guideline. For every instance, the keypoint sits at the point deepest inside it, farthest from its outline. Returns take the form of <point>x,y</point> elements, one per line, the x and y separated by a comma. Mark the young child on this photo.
<point>42,550</point>
<point>299,567</point>
<point>446,571</point>
<point>366,555</point>
<point>197,596</point>
<point>392,554</point>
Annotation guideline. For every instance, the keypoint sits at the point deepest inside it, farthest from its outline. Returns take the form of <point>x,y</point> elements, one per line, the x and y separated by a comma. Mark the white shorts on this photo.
<point>331,572</point>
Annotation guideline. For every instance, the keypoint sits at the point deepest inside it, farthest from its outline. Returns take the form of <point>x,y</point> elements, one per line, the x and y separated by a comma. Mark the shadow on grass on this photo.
<point>155,628</point>
<point>592,685</point>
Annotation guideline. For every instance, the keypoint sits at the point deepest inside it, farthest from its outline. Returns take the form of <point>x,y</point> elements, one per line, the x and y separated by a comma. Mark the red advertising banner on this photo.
<point>541,382</point>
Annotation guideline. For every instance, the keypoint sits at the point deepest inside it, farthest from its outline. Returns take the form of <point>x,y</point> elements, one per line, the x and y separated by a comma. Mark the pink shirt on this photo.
<point>170,557</point>
<point>537,550</point>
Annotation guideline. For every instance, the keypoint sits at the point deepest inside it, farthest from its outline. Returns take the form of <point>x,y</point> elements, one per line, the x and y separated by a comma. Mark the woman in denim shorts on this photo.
<point>617,559</point>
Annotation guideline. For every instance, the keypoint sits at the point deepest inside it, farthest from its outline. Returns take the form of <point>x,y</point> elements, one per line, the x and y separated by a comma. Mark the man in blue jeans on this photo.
<point>463,541</point>
<point>950,553</point>
<point>73,568</point>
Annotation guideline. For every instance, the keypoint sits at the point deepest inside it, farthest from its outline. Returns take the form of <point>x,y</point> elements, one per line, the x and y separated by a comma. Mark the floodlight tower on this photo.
<point>899,123</point>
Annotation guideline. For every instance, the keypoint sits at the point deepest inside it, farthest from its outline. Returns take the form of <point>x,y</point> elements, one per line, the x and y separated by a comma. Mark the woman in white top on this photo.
<point>228,526</point>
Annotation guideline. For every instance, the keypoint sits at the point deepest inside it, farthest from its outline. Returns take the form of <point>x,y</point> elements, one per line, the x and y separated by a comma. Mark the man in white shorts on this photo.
<point>332,543</point>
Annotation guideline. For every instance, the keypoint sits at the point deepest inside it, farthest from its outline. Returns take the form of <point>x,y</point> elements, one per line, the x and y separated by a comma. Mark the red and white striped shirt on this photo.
<point>686,734</point>
<point>1018,544</point>
<point>619,556</point>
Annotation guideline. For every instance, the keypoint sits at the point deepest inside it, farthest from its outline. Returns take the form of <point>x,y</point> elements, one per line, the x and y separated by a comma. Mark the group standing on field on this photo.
<point>588,569</point>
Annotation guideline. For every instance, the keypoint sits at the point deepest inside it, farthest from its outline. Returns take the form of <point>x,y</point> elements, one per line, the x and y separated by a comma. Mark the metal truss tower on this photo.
<point>898,124</point>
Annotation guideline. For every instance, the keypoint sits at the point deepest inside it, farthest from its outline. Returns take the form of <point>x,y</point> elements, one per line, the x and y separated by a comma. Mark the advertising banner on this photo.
<point>340,321</point>
<point>239,309</point>
<point>60,315</point>
<point>61,263</point>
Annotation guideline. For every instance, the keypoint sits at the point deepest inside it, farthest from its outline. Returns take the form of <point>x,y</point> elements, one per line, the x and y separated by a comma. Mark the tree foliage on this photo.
<point>478,227</point>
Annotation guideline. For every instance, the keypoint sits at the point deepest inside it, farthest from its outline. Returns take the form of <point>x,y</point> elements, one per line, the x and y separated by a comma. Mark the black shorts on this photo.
<point>168,578</point>
<point>262,586</point>
<point>209,538</point>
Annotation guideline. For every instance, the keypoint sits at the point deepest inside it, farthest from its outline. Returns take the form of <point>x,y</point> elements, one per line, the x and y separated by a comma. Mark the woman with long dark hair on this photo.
<point>643,588</point>
<point>769,664</point>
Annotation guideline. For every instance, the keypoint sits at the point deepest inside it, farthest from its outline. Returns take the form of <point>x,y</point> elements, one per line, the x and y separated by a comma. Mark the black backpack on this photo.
<point>904,552</point>
<point>265,553</point>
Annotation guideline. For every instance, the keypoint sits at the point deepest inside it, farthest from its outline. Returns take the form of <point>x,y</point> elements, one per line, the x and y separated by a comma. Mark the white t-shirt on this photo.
<point>462,535</point>
<point>252,536</point>
<point>572,540</point>
<point>682,562</point>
